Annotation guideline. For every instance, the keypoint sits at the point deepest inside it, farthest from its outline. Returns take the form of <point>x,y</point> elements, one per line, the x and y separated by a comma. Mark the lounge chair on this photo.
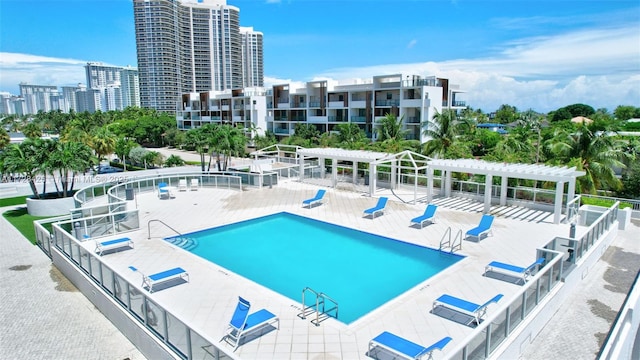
<point>522,272</point>
<point>194,185</point>
<point>403,347</point>
<point>379,208</point>
<point>428,216</point>
<point>182,185</point>
<point>243,323</point>
<point>314,200</point>
<point>113,244</point>
<point>483,229</point>
<point>475,311</point>
<point>162,277</point>
<point>163,190</point>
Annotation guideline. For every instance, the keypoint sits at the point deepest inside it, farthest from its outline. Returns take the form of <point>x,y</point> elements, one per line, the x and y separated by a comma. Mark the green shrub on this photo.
<point>603,202</point>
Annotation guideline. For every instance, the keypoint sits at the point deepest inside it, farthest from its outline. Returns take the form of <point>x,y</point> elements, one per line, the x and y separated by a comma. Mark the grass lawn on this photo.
<point>23,222</point>
<point>19,217</point>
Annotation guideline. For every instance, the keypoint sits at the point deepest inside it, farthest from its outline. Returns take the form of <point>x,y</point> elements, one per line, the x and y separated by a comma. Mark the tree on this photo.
<point>122,148</point>
<point>596,153</point>
<point>197,139</point>
<point>32,130</point>
<point>5,139</point>
<point>137,155</point>
<point>174,160</point>
<point>228,141</point>
<point>623,112</point>
<point>442,132</point>
<point>70,159</point>
<point>531,121</point>
<point>506,114</point>
<point>103,142</point>
<point>21,159</point>
<point>350,135</point>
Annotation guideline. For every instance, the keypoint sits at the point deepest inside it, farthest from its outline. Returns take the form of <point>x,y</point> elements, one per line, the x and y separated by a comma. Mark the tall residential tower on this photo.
<point>188,46</point>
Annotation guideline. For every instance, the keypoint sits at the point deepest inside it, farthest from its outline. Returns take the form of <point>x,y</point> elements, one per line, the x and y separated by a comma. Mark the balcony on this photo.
<point>336,104</point>
<point>459,104</point>
<point>391,102</point>
<point>314,104</point>
<point>337,119</point>
<point>413,120</point>
<point>280,131</point>
<point>358,119</point>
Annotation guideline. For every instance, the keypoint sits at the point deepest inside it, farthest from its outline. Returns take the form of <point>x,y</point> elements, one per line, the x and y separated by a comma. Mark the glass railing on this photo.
<point>167,327</point>
<point>498,326</point>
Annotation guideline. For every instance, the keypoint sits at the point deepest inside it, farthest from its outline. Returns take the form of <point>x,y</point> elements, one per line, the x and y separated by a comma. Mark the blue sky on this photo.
<point>531,54</point>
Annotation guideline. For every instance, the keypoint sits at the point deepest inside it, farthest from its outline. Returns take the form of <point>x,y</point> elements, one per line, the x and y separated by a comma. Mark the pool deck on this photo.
<point>207,302</point>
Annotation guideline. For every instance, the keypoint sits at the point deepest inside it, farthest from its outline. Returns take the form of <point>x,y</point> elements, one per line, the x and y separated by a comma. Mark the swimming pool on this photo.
<point>287,253</point>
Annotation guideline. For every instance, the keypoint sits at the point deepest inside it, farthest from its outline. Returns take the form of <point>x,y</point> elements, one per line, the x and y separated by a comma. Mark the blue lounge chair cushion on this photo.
<point>167,274</point>
<point>382,203</point>
<point>475,310</point>
<point>317,198</point>
<point>524,272</point>
<point>482,228</point>
<point>243,323</point>
<point>428,215</point>
<point>405,347</point>
<point>161,277</point>
<point>112,244</point>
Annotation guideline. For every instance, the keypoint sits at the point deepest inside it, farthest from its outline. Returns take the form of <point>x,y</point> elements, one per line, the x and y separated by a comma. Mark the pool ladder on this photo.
<point>322,313</point>
<point>446,243</point>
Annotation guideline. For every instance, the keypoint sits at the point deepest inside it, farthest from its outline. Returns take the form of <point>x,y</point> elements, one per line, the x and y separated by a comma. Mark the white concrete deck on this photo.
<point>207,302</point>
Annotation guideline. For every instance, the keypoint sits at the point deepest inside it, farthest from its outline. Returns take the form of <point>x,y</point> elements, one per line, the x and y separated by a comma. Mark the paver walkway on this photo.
<point>43,316</point>
<point>580,325</point>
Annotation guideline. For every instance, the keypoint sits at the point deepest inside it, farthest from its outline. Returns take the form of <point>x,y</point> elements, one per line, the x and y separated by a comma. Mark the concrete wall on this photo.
<point>146,342</point>
<point>50,207</point>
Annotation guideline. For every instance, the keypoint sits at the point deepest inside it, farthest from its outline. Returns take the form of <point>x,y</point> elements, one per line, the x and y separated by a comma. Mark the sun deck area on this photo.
<point>206,303</point>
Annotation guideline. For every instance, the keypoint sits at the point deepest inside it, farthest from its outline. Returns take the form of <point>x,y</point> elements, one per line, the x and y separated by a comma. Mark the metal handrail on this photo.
<point>325,311</point>
<point>303,314</point>
<point>448,244</point>
<point>163,223</point>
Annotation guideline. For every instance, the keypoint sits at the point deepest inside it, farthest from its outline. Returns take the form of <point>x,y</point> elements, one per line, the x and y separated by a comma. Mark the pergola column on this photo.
<point>571,191</point>
<point>301,159</point>
<point>503,190</point>
<point>334,172</point>
<point>487,193</point>
<point>354,173</point>
<point>447,182</point>
<point>394,172</point>
<point>557,208</point>
<point>323,169</point>
<point>429,184</point>
<point>372,178</point>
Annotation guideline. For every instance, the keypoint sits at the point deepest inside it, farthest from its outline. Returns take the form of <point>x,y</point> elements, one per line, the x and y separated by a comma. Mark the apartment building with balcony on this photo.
<point>325,104</point>
<point>243,108</point>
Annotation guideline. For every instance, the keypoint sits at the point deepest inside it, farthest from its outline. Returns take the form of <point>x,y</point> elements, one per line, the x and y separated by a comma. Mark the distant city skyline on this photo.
<point>541,55</point>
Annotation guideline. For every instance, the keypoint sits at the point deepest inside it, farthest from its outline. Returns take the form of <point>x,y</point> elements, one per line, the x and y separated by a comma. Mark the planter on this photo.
<point>50,207</point>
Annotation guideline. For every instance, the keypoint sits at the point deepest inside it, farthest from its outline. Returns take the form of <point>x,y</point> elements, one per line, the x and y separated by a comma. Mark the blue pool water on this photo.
<point>287,253</point>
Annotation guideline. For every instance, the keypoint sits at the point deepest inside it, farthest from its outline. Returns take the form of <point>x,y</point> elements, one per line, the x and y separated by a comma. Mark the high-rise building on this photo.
<point>130,87</point>
<point>252,57</point>
<point>117,86</point>
<point>188,46</point>
<point>38,97</point>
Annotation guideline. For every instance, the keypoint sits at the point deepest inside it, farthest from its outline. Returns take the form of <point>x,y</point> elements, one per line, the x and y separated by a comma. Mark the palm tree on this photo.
<point>70,159</point>
<point>391,128</point>
<point>197,139</point>
<point>442,132</point>
<point>596,153</point>
<point>103,142</point>
<point>229,141</point>
<point>530,120</point>
<point>22,159</point>
<point>121,148</point>
<point>5,139</point>
<point>350,135</point>
<point>32,130</point>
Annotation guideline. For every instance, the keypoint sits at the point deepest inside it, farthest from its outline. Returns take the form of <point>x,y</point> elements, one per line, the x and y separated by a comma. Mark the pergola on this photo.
<point>557,174</point>
<point>335,154</point>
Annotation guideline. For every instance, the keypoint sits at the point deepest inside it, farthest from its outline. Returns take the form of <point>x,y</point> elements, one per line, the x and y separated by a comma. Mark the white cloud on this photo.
<point>595,67</point>
<point>39,70</point>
